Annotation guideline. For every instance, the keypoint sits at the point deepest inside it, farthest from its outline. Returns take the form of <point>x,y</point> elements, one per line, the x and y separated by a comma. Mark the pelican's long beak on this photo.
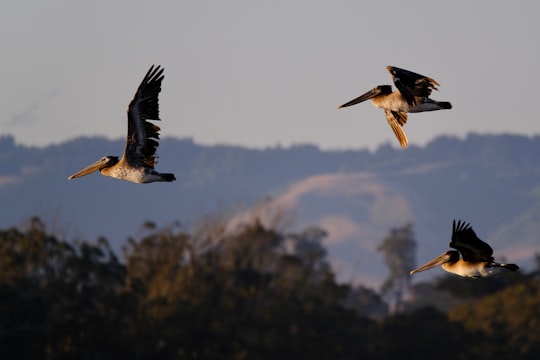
<point>98,165</point>
<point>368,95</point>
<point>439,260</point>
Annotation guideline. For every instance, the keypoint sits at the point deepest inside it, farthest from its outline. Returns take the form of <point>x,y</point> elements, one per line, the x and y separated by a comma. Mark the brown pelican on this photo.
<point>139,158</point>
<point>476,261</point>
<point>412,95</point>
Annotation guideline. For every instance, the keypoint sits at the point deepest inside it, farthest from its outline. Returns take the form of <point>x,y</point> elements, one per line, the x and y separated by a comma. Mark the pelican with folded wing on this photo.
<point>139,158</point>
<point>412,95</point>
<point>476,256</point>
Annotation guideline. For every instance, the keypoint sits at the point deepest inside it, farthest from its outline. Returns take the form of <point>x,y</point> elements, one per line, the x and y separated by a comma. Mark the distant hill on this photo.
<point>491,181</point>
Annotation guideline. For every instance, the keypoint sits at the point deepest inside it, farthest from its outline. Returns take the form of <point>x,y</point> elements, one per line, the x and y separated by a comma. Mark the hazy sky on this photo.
<point>260,73</point>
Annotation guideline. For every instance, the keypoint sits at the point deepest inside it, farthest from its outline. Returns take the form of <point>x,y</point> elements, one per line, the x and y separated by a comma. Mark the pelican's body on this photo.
<point>411,96</point>
<point>476,256</point>
<point>139,158</point>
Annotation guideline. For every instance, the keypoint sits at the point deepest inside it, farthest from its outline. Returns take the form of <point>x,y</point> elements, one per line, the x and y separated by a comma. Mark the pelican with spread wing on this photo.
<point>139,158</point>
<point>412,95</point>
<point>476,256</point>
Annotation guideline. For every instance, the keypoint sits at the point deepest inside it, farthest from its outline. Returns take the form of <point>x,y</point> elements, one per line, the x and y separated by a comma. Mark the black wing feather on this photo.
<point>141,143</point>
<point>464,240</point>
<point>411,84</point>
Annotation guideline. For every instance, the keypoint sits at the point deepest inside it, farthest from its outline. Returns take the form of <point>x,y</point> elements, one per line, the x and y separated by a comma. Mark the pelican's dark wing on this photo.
<point>411,84</point>
<point>468,244</point>
<point>142,135</point>
<point>396,119</point>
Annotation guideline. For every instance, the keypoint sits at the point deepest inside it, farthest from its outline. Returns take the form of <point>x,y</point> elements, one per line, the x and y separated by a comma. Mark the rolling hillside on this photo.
<point>491,181</point>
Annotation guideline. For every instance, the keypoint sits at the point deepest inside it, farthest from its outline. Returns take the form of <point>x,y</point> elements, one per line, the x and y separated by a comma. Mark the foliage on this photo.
<point>366,302</point>
<point>250,294</point>
<point>57,299</point>
<point>423,334</point>
<point>510,319</point>
<point>467,288</point>
<point>399,250</point>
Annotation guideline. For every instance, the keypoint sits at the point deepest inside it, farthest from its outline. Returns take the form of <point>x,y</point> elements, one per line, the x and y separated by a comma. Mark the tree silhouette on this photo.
<point>509,319</point>
<point>255,293</point>
<point>398,249</point>
<point>59,299</point>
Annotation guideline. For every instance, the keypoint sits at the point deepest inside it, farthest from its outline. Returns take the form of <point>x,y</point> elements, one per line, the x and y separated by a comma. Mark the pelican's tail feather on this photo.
<point>167,177</point>
<point>511,267</point>
<point>444,104</point>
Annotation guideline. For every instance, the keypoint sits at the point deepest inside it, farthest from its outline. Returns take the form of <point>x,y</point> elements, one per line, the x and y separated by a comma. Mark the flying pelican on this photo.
<point>139,158</point>
<point>412,95</point>
<point>476,261</point>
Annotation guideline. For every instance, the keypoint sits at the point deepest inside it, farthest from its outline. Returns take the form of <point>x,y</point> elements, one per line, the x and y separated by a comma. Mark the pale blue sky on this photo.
<point>265,73</point>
